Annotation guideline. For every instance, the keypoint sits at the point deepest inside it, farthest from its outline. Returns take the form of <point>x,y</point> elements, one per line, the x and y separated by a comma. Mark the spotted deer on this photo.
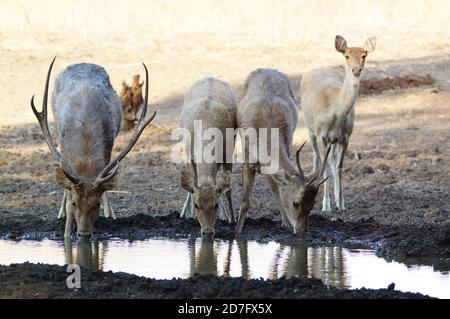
<point>87,115</point>
<point>212,103</point>
<point>269,104</point>
<point>328,99</point>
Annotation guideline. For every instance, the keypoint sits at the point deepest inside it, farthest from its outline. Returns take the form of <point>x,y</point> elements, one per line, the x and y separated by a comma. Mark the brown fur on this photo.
<point>136,92</point>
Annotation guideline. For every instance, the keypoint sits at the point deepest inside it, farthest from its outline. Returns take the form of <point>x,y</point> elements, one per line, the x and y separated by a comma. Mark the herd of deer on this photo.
<point>89,114</point>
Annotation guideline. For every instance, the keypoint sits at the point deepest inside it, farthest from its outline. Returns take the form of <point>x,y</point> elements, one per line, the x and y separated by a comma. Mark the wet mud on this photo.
<point>49,281</point>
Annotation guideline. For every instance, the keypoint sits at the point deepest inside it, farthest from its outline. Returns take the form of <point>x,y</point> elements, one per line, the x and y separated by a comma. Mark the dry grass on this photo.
<point>280,21</point>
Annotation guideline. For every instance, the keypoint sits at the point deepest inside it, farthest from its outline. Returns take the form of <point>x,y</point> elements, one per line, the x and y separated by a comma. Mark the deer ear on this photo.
<point>225,183</point>
<point>280,176</point>
<point>61,178</point>
<point>340,44</point>
<point>370,44</point>
<point>187,181</point>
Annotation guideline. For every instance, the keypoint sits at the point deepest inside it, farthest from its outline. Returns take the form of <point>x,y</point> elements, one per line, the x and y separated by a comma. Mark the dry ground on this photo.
<point>401,135</point>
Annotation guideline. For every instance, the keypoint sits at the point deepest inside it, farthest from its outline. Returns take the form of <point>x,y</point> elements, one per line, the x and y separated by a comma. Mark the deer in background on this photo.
<point>212,103</point>
<point>327,102</point>
<point>269,104</point>
<point>132,102</point>
<point>87,115</point>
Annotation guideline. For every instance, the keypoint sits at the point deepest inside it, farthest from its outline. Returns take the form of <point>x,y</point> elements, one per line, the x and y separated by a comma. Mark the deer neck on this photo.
<point>347,95</point>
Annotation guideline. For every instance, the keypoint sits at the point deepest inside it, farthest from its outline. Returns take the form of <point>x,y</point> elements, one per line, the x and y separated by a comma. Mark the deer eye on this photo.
<point>196,206</point>
<point>73,203</point>
<point>296,204</point>
<point>217,205</point>
<point>347,57</point>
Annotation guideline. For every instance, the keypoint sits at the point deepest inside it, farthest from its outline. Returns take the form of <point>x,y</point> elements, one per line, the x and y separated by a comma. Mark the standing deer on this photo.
<point>87,115</point>
<point>132,102</point>
<point>269,104</point>
<point>129,117</point>
<point>212,102</point>
<point>136,92</point>
<point>327,101</point>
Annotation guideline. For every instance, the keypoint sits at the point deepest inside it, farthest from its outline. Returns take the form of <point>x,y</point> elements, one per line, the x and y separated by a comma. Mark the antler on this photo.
<point>313,182</point>
<point>43,122</point>
<point>297,159</point>
<point>114,164</point>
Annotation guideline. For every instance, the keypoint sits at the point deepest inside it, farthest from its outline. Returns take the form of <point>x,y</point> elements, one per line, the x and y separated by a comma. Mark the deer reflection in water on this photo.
<point>205,260</point>
<point>218,257</point>
<point>88,254</point>
<point>325,263</point>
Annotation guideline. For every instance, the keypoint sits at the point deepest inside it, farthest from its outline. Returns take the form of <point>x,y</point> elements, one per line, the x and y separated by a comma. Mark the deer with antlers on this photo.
<point>269,104</point>
<point>87,113</point>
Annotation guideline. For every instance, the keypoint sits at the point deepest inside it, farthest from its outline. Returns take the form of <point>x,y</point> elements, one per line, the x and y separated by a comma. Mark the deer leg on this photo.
<point>339,197</point>
<point>316,153</point>
<point>107,208</point>
<point>188,207</point>
<point>326,206</point>
<point>68,256</point>
<point>62,209</point>
<point>332,167</point>
<point>248,176</point>
<point>223,212</point>
<point>69,216</point>
<point>228,194</point>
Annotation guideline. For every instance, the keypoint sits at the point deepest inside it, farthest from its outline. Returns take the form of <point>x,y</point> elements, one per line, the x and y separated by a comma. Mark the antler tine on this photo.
<point>137,133</point>
<point>324,163</point>
<point>144,109</point>
<point>297,159</point>
<point>43,123</point>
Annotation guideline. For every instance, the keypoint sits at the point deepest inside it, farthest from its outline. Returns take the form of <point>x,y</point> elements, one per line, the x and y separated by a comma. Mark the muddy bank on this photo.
<point>49,281</point>
<point>391,242</point>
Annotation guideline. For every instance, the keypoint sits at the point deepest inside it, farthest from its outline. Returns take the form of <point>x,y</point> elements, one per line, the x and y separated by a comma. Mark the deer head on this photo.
<point>298,192</point>
<point>206,194</point>
<point>355,57</point>
<point>85,193</point>
<point>136,92</point>
<point>129,117</point>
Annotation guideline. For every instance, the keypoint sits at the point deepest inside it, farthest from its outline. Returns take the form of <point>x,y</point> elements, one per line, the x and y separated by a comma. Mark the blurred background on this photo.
<point>182,41</point>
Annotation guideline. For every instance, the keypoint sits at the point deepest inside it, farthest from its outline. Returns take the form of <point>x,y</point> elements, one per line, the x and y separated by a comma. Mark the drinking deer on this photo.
<point>212,103</point>
<point>327,101</point>
<point>87,115</point>
<point>269,104</point>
